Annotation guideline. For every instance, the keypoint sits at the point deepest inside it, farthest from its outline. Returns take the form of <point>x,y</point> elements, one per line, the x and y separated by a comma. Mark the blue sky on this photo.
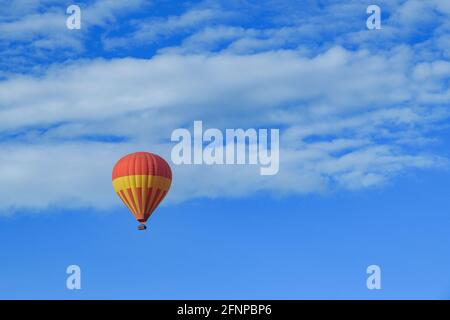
<point>364,148</point>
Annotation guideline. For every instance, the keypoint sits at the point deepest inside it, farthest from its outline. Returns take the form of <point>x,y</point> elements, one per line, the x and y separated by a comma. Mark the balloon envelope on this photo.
<point>142,180</point>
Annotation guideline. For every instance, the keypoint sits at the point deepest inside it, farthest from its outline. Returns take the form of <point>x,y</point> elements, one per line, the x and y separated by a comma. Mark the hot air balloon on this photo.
<point>142,180</point>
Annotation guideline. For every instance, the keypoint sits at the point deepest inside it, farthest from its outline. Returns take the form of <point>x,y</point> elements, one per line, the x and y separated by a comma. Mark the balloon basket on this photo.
<point>142,227</point>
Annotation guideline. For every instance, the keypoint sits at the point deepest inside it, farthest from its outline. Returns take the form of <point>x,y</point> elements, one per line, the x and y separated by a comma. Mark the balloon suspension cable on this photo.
<point>142,227</point>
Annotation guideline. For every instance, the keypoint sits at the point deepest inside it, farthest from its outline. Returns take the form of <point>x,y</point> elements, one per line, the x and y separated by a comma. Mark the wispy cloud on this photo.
<point>352,115</point>
<point>35,31</point>
<point>153,29</point>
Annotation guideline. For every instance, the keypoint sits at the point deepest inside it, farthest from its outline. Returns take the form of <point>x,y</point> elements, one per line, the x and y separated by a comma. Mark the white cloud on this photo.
<point>350,119</point>
<point>152,29</point>
<point>346,119</point>
<point>36,30</point>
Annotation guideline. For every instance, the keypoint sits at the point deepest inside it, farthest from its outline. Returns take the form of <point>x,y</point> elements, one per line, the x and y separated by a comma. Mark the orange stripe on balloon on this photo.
<point>139,200</point>
<point>147,202</point>
<point>154,200</point>
<point>127,203</point>
<point>133,203</point>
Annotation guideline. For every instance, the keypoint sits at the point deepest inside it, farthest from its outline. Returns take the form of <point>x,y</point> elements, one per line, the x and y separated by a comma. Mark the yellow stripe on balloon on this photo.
<point>129,186</point>
<point>125,201</point>
<point>130,182</point>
